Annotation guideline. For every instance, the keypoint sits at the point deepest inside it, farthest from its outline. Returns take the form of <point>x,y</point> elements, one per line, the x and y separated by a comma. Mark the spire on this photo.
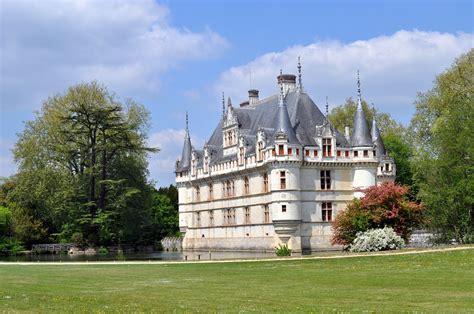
<point>300,81</point>
<point>223,106</point>
<point>376,138</point>
<point>360,134</point>
<point>229,102</point>
<point>283,124</point>
<point>185,161</point>
<point>327,108</point>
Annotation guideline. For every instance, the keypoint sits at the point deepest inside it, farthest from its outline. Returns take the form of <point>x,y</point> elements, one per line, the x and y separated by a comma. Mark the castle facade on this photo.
<point>275,171</point>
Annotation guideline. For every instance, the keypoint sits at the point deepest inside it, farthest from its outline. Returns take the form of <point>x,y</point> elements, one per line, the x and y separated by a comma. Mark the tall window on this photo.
<point>247,215</point>
<point>387,167</point>
<point>246,186</point>
<point>283,208</point>
<point>265,182</point>
<point>356,153</point>
<point>242,156</point>
<point>282,180</point>
<point>229,216</point>
<point>198,219</point>
<point>326,211</point>
<point>211,191</point>
<point>347,153</point>
<point>366,153</point>
<point>290,151</point>
<point>198,194</point>
<point>266,214</point>
<point>327,147</point>
<point>325,179</point>
<point>211,218</point>
<point>228,189</point>
<point>232,188</point>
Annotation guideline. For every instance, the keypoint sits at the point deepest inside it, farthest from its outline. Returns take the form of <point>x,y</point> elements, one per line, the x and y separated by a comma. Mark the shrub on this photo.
<point>103,250</point>
<point>381,206</point>
<point>282,250</point>
<point>377,240</point>
<point>10,246</point>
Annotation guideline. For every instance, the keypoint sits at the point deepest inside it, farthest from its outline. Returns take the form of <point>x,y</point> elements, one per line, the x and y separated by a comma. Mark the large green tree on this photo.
<point>82,169</point>
<point>393,134</point>
<point>443,162</point>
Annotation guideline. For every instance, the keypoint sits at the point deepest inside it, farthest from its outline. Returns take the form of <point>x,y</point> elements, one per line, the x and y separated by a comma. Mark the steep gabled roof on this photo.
<point>303,115</point>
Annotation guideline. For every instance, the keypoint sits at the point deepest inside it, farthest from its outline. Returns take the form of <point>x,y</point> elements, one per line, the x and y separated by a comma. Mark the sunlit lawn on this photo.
<point>433,282</point>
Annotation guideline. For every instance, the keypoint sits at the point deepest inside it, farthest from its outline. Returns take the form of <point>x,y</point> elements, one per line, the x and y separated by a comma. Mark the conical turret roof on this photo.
<point>283,124</point>
<point>361,134</point>
<point>377,139</point>
<point>185,161</point>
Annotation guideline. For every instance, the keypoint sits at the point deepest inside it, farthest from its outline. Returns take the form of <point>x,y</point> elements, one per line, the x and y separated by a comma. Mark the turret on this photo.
<point>283,124</point>
<point>377,140</point>
<point>185,162</point>
<point>360,134</point>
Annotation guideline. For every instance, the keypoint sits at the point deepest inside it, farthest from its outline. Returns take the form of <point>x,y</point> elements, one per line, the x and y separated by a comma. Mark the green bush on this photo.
<point>282,250</point>
<point>10,246</point>
<point>103,250</point>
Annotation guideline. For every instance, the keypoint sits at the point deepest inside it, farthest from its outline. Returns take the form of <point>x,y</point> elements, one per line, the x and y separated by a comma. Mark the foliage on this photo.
<point>165,216</point>
<point>443,163</point>
<point>392,132</point>
<point>343,115</point>
<point>377,240</point>
<point>381,206</point>
<point>282,250</point>
<point>5,221</point>
<point>10,246</point>
<point>82,170</point>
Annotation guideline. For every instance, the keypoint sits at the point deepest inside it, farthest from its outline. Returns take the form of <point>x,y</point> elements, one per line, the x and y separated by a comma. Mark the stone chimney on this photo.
<point>288,81</point>
<point>253,96</point>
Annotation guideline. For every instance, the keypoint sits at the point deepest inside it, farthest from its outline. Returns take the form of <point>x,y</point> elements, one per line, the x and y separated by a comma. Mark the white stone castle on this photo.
<point>275,171</point>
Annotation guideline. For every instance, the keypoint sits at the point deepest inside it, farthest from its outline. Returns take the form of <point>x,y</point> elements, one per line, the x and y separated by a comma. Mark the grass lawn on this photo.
<point>432,282</point>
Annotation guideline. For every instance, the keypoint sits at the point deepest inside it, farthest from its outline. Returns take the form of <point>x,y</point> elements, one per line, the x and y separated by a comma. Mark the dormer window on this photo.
<point>366,153</point>
<point>327,147</point>
<point>290,151</point>
<point>281,149</point>
<point>260,151</point>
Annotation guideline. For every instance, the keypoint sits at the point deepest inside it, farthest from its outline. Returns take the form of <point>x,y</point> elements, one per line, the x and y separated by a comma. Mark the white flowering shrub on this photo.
<point>377,240</point>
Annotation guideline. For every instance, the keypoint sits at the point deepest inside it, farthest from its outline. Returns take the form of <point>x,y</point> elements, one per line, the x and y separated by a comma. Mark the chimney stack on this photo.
<point>347,133</point>
<point>288,81</point>
<point>253,96</point>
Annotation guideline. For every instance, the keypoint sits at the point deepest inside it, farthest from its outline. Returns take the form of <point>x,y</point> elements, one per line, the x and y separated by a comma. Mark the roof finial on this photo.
<point>327,107</point>
<point>223,105</point>
<point>229,102</point>
<point>281,100</point>
<point>187,121</point>
<point>281,71</point>
<point>373,110</point>
<point>300,82</point>
<point>358,85</point>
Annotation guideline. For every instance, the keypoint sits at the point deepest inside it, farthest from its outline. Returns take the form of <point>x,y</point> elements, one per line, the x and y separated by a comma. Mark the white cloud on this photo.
<point>46,46</point>
<point>170,142</point>
<point>393,68</point>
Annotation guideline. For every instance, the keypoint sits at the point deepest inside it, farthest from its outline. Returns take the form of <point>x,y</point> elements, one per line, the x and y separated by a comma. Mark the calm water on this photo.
<point>153,256</point>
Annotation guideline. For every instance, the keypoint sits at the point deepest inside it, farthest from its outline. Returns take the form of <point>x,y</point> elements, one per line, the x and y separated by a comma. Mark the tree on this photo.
<point>443,162</point>
<point>82,164</point>
<point>386,205</point>
<point>393,135</point>
<point>343,115</point>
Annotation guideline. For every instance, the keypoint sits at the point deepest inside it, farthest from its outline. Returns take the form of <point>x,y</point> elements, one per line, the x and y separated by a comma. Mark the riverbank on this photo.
<point>433,280</point>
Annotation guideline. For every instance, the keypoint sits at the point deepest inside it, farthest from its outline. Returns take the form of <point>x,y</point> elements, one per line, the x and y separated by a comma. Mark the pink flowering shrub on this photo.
<point>386,205</point>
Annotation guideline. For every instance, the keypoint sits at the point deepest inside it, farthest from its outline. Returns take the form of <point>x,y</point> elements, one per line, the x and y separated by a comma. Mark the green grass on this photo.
<point>431,282</point>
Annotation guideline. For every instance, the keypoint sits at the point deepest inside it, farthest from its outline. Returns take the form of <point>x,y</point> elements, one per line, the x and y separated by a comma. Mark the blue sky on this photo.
<point>174,56</point>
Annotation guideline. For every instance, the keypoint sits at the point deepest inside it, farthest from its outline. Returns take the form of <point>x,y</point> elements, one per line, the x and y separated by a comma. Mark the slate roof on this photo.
<point>360,135</point>
<point>377,140</point>
<point>303,115</point>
